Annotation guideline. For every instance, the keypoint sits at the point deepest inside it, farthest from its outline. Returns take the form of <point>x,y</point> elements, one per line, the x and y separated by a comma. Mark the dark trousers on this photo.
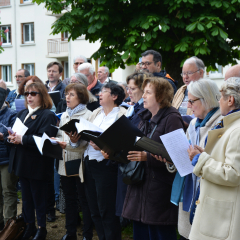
<point>143,231</point>
<point>101,188</point>
<point>71,186</point>
<point>51,197</point>
<point>34,196</point>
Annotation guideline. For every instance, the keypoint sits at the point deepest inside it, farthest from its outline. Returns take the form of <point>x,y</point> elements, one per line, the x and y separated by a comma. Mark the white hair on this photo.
<point>207,90</point>
<point>88,66</point>
<point>231,87</point>
<point>197,61</point>
<point>80,57</point>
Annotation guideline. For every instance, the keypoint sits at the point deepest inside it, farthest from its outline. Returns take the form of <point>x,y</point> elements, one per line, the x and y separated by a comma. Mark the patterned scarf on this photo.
<point>77,109</point>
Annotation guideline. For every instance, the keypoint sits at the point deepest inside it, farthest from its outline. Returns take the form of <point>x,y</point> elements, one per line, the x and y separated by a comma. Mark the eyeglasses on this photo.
<point>103,91</point>
<point>218,97</point>
<point>192,101</point>
<point>78,63</point>
<point>145,63</point>
<point>18,76</point>
<point>188,73</point>
<point>131,89</point>
<point>33,94</point>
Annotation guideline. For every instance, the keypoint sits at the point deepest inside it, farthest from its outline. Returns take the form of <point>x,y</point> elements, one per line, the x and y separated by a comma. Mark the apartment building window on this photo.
<point>6,73</point>
<point>25,1</point>
<point>4,3</point>
<point>27,33</point>
<point>64,36</point>
<point>30,67</point>
<point>7,32</point>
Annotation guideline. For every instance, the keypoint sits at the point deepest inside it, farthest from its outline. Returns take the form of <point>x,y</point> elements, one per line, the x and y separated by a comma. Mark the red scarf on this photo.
<point>93,84</point>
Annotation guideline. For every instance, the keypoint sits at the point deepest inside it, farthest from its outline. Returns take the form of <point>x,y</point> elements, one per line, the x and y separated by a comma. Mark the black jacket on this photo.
<point>25,160</point>
<point>3,94</point>
<point>7,118</point>
<point>96,89</point>
<point>60,87</point>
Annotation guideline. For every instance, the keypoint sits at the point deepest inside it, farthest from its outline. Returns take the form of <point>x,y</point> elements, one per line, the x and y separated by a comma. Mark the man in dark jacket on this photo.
<point>8,194</point>
<point>54,83</point>
<point>152,63</point>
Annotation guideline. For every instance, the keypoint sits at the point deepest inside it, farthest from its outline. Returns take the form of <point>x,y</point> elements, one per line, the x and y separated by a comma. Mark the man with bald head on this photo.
<point>233,71</point>
<point>193,70</point>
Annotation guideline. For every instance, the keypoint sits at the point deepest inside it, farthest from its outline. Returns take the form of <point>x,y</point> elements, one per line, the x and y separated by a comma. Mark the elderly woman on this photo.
<point>204,105</point>
<point>216,215</point>
<point>82,79</point>
<point>147,204</point>
<point>33,169</point>
<point>76,98</point>
<point>101,177</point>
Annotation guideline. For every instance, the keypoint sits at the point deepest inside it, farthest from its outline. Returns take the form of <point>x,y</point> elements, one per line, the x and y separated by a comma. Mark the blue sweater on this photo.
<point>7,118</point>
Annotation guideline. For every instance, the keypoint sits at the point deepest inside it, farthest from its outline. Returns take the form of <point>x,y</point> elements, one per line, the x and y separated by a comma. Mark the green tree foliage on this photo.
<point>177,29</point>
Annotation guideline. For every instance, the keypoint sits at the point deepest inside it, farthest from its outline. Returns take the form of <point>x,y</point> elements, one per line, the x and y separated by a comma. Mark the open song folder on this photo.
<point>48,147</point>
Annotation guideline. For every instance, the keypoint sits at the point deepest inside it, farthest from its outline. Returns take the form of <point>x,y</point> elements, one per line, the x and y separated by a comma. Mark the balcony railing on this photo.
<point>57,46</point>
<point>4,3</point>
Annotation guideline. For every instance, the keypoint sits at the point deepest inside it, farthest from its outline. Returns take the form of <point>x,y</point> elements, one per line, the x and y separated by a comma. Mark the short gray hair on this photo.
<point>87,66</point>
<point>81,78</point>
<point>106,69</point>
<point>199,62</point>
<point>80,57</point>
<point>231,87</point>
<point>207,90</point>
<point>122,83</point>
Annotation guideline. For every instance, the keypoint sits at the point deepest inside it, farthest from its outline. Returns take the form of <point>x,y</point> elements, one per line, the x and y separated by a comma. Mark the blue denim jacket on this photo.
<point>12,96</point>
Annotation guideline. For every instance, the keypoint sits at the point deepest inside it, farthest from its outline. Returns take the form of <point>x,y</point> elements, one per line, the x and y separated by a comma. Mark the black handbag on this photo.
<point>133,172</point>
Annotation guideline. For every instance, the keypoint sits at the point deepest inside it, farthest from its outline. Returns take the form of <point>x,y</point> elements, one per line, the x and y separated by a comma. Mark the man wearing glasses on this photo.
<point>193,69</point>
<point>77,61</point>
<point>152,63</point>
<point>14,94</point>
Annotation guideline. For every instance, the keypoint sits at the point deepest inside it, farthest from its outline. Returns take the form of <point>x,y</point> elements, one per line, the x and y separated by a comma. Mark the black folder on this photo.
<point>72,167</point>
<point>70,126</point>
<point>52,150</point>
<point>56,97</point>
<point>153,147</point>
<point>117,140</point>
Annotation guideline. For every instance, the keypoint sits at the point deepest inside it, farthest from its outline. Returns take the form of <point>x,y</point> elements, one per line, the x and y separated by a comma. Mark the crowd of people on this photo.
<point>202,205</point>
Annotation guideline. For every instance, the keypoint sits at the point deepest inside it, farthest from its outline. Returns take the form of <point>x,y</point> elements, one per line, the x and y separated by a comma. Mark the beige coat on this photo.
<point>71,153</point>
<point>178,98</point>
<point>218,212</point>
<point>184,225</point>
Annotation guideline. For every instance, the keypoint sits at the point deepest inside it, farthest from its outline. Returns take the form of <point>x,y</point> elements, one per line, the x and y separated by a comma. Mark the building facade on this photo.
<point>29,45</point>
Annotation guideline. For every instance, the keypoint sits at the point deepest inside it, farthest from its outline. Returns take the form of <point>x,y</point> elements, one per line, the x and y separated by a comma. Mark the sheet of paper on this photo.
<point>8,128</point>
<point>19,127</point>
<point>86,125</point>
<point>19,103</point>
<point>40,141</point>
<point>177,145</point>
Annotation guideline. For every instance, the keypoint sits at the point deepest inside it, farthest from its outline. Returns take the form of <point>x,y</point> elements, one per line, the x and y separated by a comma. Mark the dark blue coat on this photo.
<point>96,89</point>
<point>3,94</point>
<point>7,118</point>
<point>121,186</point>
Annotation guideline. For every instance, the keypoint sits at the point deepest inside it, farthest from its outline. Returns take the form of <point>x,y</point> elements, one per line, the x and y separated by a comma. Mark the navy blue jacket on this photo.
<point>60,87</point>
<point>7,118</point>
<point>163,74</point>
<point>96,89</point>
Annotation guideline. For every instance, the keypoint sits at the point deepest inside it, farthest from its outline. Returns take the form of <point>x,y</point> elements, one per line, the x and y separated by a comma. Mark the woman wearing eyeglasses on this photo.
<point>100,176</point>
<point>218,166</point>
<point>26,162</point>
<point>203,103</point>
